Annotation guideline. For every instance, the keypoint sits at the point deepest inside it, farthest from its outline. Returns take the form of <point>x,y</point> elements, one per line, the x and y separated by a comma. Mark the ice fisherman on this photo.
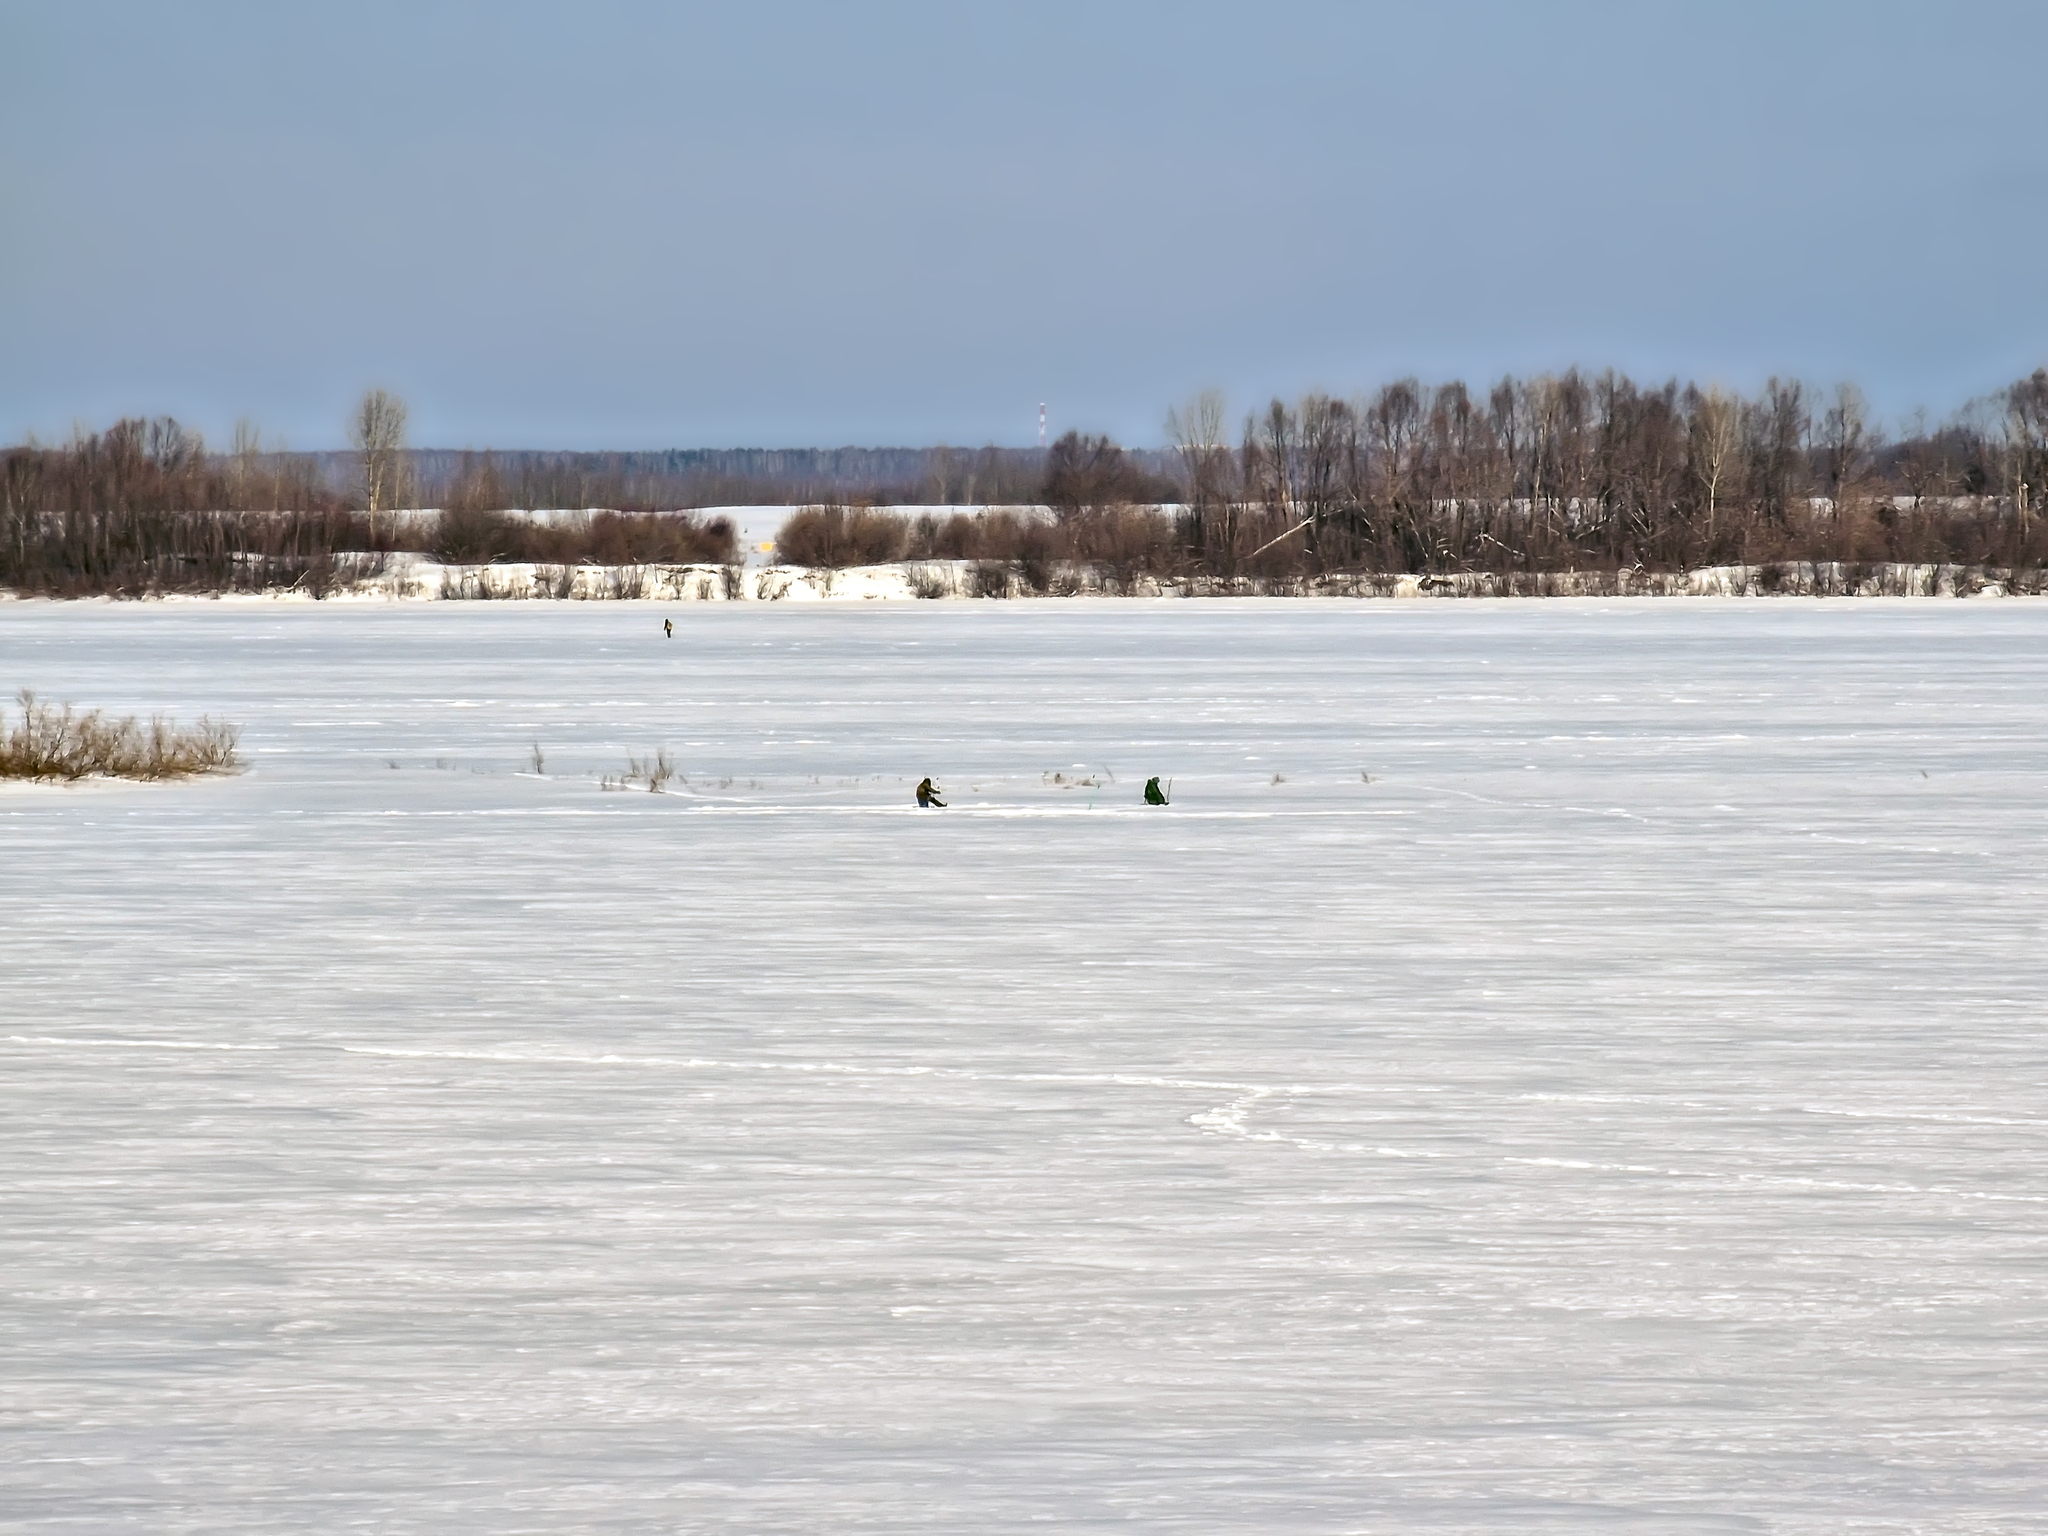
<point>1154,795</point>
<point>668,627</point>
<point>928,794</point>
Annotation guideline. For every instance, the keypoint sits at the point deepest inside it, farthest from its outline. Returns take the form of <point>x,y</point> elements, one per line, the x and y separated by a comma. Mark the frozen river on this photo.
<point>1555,1066</point>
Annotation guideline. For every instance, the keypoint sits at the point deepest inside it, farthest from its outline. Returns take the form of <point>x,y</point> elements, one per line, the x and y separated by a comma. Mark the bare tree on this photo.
<point>1844,442</point>
<point>2026,427</point>
<point>1716,445</point>
<point>1539,437</point>
<point>1196,431</point>
<point>1779,427</point>
<point>1329,455</point>
<point>1279,438</point>
<point>378,432</point>
<point>1453,456</point>
<point>1395,419</point>
<point>248,452</point>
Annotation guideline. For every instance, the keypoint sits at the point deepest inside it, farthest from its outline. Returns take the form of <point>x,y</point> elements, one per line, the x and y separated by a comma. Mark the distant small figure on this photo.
<point>668,627</point>
<point>1154,795</point>
<point>928,794</point>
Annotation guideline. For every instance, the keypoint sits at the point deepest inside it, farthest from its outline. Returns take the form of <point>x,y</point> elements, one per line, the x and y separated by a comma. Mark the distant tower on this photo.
<point>1041,423</point>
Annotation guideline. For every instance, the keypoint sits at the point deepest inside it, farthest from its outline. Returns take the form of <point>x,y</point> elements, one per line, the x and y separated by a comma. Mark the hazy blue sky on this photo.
<point>654,225</point>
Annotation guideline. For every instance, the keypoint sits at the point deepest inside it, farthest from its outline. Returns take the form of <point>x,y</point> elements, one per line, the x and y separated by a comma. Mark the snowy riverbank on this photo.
<point>414,577</point>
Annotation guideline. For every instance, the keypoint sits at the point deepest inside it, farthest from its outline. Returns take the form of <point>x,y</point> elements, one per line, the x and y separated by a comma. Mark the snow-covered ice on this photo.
<point>1555,1066</point>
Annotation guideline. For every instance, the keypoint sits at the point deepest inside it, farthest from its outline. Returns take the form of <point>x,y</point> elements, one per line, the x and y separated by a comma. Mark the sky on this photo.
<point>651,225</point>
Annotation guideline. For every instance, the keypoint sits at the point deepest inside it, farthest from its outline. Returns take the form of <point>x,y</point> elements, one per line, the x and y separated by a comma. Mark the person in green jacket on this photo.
<point>928,794</point>
<point>1154,795</point>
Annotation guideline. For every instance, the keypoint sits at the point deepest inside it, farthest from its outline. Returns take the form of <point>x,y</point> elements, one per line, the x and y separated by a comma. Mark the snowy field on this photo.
<point>1556,1066</point>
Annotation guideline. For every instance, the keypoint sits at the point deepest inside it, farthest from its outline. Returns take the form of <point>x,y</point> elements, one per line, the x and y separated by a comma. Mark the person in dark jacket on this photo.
<point>928,794</point>
<point>1154,795</point>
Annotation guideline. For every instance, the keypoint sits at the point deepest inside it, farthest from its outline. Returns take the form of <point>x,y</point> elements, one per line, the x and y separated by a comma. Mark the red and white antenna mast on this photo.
<point>1041,423</point>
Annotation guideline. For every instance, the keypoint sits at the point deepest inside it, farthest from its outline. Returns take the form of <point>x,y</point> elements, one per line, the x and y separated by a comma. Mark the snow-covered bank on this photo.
<point>414,577</point>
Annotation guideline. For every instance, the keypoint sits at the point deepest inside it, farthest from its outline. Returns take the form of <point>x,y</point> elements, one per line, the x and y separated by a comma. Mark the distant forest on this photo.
<point>1553,473</point>
<point>684,478</point>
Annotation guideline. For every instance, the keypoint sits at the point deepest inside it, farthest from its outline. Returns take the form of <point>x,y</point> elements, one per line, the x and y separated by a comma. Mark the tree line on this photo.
<point>1571,471</point>
<point>656,480</point>
<point>145,507</point>
<point>1548,474</point>
<point>1557,472</point>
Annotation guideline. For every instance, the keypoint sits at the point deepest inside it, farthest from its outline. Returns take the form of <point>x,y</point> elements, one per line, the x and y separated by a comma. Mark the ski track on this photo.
<point>1227,1119</point>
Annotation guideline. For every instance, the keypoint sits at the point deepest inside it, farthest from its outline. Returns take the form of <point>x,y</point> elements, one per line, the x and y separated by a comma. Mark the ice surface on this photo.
<point>1625,1111</point>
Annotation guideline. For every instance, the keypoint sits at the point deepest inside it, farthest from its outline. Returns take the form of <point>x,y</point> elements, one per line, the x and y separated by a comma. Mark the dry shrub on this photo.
<point>929,581</point>
<point>480,585</point>
<point>988,578</point>
<point>49,742</point>
<point>464,535</point>
<point>835,537</point>
<point>957,537</point>
<point>473,536</point>
<point>654,772</point>
<point>644,538</point>
<point>1125,542</point>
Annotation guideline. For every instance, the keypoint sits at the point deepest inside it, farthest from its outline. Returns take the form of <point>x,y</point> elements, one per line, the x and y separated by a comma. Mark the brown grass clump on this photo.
<point>49,742</point>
